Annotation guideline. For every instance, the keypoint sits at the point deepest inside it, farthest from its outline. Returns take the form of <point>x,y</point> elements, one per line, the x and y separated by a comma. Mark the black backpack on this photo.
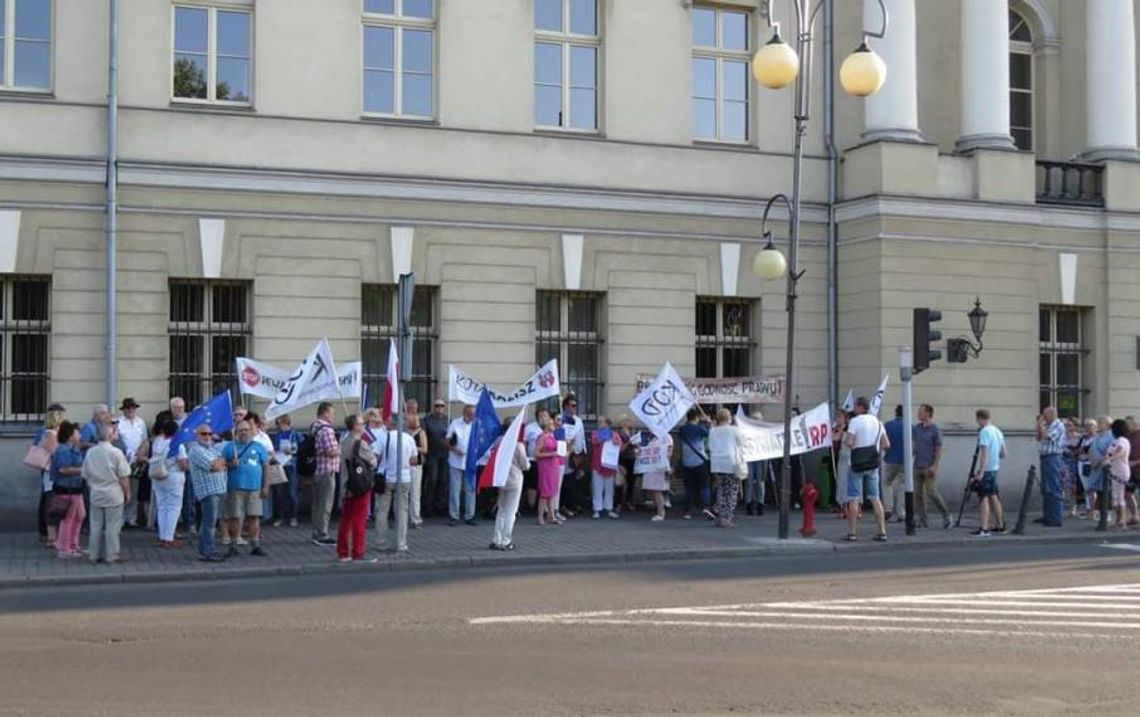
<point>307,456</point>
<point>358,474</point>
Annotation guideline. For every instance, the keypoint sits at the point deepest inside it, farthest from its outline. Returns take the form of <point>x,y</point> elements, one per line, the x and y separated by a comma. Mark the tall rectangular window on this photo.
<point>25,330</point>
<point>399,58</point>
<point>1062,357</point>
<point>25,44</point>
<point>566,52</point>
<point>1020,81</point>
<point>209,327</point>
<point>724,338</point>
<point>213,55</point>
<point>721,80</point>
<point>568,328</point>
<point>378,324</point>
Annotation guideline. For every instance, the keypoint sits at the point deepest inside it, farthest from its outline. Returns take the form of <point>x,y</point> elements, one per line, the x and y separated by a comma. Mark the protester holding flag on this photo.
<point>549,470</point>
<point>458,436</point>
<point>248,486</point>
<point>506,466</point>
<point>208,476</point>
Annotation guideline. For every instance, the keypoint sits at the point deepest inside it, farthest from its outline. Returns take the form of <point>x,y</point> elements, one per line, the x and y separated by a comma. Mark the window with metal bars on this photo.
<point>568,328</point>
<point>1062,358</point>
<point>209,328</point>
<point>724,338</point>
<point>378,324</point>
<point>25,318</point>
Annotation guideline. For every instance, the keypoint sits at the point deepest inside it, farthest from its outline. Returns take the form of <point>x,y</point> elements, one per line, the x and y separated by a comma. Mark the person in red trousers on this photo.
<point>350,535</point>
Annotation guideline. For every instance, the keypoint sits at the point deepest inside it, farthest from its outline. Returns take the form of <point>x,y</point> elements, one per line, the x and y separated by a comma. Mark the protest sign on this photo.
<point>652,458</point>
<point>755,389</point>
<point>263,380</point>
<point>467,389</point>
<point>762,441</point>
<point>664,402</point>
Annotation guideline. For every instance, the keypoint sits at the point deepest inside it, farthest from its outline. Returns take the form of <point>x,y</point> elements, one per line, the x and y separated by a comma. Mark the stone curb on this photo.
<point>499,560</point>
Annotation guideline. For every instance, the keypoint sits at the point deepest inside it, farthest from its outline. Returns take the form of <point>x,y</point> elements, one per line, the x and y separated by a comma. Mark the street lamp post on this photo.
<point>776,65</point>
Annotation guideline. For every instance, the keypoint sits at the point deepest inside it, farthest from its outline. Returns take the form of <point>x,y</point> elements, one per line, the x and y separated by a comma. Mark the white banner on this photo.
<point>264,380</point>
<point>664,403</point>
<point>314,380</point>
<point>653,458</point>
<point>466,389</point>
<point>764,441</point>
<point>754,389</point>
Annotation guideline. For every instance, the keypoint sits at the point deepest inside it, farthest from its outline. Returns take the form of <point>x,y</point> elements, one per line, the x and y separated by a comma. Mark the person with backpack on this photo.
<point>357,470</point>
<point>321,453</point>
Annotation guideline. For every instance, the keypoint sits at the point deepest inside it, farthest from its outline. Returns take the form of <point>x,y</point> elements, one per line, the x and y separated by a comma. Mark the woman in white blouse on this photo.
<point>725,457</point>
<point>168,481</point>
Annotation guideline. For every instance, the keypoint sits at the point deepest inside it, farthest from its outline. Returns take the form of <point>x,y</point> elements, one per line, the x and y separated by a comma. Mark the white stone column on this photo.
<point>892,112</point>
<point>985,76</point>
<point>1111,79</point>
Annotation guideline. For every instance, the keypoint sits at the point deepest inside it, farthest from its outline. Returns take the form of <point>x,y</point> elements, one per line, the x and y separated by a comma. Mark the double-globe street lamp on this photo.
<point>776,65</point>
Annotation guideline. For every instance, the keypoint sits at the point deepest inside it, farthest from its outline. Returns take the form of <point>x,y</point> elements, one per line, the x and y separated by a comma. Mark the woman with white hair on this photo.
<point>726,463</point>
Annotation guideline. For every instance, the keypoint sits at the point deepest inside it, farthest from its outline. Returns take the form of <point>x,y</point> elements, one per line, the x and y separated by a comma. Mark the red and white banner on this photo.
<point>467,389</point>
<point>263,380</point>
<point>391,404</point>
<point>763,441</point>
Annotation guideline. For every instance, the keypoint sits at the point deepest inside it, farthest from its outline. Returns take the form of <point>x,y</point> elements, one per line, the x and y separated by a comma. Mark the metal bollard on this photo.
<point>1025,496</point>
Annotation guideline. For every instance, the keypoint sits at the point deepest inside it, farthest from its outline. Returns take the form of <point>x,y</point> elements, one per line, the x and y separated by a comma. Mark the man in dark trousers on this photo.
<point>434,498</point>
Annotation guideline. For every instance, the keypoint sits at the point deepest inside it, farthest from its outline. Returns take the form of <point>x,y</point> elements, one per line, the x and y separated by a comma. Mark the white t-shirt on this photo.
<point>462,432</point>
<point>866,429</point>
<point>385,450</point>
<point>133,434</point>
<point>724,447</point>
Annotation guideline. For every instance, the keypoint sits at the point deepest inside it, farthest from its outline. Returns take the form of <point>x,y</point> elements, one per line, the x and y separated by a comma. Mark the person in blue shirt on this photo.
<point>694,437</point>
<point>894,474</point>
<point>67,484</point>
<point>286,498</point>
<point>991,451</point>
<point>247,485</point>
<point>89,434</point>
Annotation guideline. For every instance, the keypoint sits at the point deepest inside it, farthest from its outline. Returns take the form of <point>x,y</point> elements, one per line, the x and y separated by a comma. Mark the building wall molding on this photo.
<point>1027,215</point>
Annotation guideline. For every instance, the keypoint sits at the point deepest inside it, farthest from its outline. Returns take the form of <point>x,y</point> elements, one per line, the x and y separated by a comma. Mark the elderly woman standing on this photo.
<point>602,478</point>
<point>168,481</point>
<point>509,495</point>
<point>46,437</point>
<point>726,462</point>
<point>1098,463</point>
<point>67,484</point>
<point>416,430</point>
<point>549,470</point>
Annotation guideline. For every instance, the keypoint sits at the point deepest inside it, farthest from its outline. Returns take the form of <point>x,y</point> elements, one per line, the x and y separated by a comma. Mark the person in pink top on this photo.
<point>549,471</point>
<point>1119,471</point>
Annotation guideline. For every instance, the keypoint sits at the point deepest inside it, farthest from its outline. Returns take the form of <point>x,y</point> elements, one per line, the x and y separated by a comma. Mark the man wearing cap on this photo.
<point>208,478</point>
<point>132,431</point>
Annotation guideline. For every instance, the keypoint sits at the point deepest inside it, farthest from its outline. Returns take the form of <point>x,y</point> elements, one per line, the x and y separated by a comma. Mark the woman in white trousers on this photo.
<point>168,482</point>
<point>508,503</point>
<point>419,435</point>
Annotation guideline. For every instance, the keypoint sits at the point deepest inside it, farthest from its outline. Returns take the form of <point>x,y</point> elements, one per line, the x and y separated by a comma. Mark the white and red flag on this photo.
<point>391,403</point>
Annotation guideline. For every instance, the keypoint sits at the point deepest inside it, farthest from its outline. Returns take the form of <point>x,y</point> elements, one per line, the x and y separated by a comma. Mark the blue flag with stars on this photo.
<point>217,413</point>
<point>484,430</point>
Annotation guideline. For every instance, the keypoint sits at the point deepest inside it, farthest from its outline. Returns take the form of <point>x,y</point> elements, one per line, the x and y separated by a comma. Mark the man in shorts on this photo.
<point>991,450</point>
<point>867,440</point>
<point>247,465</point>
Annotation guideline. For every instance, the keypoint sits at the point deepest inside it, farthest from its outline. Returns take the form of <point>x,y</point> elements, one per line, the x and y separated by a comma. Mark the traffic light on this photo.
<point>924,336</point>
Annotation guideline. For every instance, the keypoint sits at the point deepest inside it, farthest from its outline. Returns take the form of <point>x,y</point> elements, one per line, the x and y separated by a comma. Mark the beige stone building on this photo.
<point>571,178</point>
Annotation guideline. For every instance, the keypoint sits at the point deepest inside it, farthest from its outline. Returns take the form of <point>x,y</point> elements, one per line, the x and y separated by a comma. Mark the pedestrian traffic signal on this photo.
<point>924,336</point>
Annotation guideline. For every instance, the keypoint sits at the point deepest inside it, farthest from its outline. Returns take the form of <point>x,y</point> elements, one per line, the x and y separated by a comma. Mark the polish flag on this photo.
<point>391,404</point>
<point>498,468</point>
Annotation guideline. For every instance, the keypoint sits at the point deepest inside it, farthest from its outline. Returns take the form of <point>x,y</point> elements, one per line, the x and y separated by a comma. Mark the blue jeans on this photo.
<point>189,506</point>
<point>286,498</point>
<point>456,484</point>
<point>755,483</point>
<point>862,485</point>
<point>697,490</point>
<point>209,512</point>
<point>1054,502</point>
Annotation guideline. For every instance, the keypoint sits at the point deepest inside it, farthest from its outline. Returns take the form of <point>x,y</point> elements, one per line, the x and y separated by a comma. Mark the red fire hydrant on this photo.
<point>808,496</point>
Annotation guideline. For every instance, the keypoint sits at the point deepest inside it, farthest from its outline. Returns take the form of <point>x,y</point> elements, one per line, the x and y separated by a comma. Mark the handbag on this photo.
<point>139,470</point>
<point>57,508</point>
<point>158,468</point>
<point>277,475</point>
<point>37,457</point>
<point>865,458</point>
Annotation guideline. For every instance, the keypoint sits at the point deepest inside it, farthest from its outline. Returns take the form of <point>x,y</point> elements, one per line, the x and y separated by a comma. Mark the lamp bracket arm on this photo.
<point>766,9</point>
<point>768,208</point>
<point>886,22</point>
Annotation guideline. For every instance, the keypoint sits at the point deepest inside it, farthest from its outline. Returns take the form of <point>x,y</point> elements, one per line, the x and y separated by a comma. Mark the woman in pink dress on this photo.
<point>549,470</point>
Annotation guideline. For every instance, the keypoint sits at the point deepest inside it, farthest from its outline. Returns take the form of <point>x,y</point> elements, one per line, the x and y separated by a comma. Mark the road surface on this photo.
<point>1020,630</point>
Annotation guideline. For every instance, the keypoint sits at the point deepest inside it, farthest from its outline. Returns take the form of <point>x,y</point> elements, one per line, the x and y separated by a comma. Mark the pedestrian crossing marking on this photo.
<point>1110,612</point>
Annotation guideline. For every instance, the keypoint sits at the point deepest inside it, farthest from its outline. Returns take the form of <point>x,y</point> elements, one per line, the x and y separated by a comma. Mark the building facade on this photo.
<point>572,178</point>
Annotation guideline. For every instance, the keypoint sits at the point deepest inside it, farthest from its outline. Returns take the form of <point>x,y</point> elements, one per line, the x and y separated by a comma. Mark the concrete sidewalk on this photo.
<point>632,538</point>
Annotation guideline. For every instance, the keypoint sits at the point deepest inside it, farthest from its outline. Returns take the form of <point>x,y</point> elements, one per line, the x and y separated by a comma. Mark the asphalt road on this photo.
<point>1033,630</point>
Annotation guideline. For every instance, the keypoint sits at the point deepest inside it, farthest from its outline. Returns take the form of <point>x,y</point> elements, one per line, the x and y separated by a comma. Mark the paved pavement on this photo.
<point>1026,629</point>
<point>632,538</point>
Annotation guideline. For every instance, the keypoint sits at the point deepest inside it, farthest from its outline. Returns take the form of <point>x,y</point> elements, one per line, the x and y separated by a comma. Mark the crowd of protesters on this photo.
<point>114,473</point>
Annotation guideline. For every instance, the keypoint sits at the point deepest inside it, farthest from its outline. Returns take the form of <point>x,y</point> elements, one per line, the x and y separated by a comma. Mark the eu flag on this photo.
<point>484,430</point>
<point>217,413</point>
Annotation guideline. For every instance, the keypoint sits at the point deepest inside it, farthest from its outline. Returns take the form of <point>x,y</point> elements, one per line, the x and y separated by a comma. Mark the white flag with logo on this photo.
<point>849,402</point>
<point>877,401</point>
<point>263,380</point>
<point>314,380</point>
<point>664,403</point>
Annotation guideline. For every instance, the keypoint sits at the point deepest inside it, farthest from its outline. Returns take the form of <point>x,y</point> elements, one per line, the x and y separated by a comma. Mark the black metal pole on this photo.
<point>1026,494</point>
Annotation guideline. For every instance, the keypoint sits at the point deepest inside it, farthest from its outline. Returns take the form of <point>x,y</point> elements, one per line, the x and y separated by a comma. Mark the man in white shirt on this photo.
<point>132,431</point>
<point>385,450</point>
<point>568,499</point>
<point>867,440</point>
<point>458,434</point>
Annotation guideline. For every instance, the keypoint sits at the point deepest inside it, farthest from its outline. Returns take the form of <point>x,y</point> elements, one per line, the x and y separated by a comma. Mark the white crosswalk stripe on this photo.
<point>1096,611</point>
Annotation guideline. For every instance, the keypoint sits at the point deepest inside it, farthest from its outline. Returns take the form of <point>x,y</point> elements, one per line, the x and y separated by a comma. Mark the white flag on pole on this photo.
<point>849,402</point>
<point>391,404</point>
<point>877,401</point>
<point>263,380</point>
<point>505,453</point>
<point>314,380</point>
<point>664,403</point>
<point>465,388</point>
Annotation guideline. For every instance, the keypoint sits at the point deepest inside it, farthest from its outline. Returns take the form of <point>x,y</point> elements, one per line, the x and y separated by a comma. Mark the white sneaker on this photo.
<point>226,541</point>
<point>657,519</point>
<point>293,523</point>
<point>614,515</point>
<point>596,515</point>
<point>242,541</point>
